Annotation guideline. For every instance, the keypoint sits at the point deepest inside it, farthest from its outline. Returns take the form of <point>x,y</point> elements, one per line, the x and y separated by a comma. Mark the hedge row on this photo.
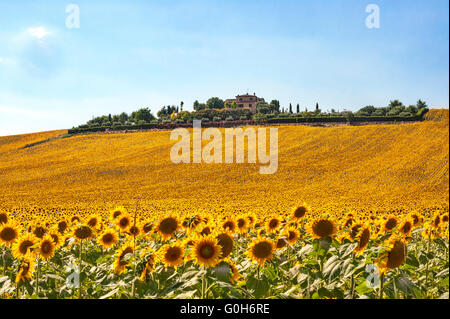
<point>162,126</point>
<point>342,119</point>
<point>247,122</point>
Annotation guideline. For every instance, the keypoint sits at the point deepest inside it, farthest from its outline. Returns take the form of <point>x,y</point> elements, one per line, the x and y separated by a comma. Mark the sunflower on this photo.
<point>272,225</point>
<point>167,227</point>
<point>149,263</point>
<point>24,245</point>
<point>3,218</point>
<point>205,231</point>
<point>436,221</point>
<point>57,238</point>
<point>39,231</point>
<point>172,254</point>
<point>299,212</point>
<point>134,230</point>
<point>235,275</point>
<point>108,238</point>
<point>242,224</point>
<point>322,228</point>
<point>206,251</point>
<point>46,247</point>
<point>121,261</point>
<point>363,238</point>
<point>416,218</point>
<point>261,250</point>
<point>123,221</point>
<point>147,227</point>
<point>26,270</point>
<point>292,235</point>
<point>229,225</point>
<point>406,227</point>
<point>116,212</point>
<point>281,242</point>
<point>82,232</point>
<point>75,219</point>
<point>93,221</point>
<point>395,255</point>
<point>251,219</point>
<point>225,241</point>
<point>390,223</point>
<point>8,233</point>
<point>62,226</point>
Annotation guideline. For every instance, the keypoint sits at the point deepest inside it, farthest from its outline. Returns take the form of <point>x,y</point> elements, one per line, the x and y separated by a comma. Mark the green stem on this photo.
<point>80,292</point>
<point>37,274</point>
<point>428,262</point>
<point>134,252</point>
<point>381,286</point>
<point>353,278</point>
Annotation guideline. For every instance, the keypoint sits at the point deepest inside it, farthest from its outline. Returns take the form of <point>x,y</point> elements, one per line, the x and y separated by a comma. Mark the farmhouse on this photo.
<point>245,101</point>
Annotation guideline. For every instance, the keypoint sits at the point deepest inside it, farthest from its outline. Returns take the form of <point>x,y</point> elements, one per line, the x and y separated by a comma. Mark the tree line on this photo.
<point>215,109</point>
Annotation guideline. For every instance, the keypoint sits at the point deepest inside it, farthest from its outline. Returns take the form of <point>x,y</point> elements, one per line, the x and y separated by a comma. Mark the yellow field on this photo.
<point>375,167</point>
<point>352,212</point>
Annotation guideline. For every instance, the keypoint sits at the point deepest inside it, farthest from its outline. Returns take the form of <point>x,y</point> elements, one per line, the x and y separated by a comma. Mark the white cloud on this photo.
<point>38,32</point>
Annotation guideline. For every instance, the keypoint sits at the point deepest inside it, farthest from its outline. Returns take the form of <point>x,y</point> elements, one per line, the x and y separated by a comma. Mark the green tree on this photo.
<point>298,108</point>
<point>421,104</point>
<point>290,108</point>
<point>215,103</point>
<point>276,105</point>
<point>143,114</point>
<point>234,105</point>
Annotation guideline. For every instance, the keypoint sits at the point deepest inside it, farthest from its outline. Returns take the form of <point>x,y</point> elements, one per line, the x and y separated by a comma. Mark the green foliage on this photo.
<point>215,103</point>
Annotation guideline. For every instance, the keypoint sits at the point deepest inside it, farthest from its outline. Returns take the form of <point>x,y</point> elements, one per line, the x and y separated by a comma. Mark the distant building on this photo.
<point>245,101</point>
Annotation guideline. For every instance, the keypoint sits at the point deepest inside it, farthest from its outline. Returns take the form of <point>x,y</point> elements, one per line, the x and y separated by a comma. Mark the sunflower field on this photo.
<point>353,212</point>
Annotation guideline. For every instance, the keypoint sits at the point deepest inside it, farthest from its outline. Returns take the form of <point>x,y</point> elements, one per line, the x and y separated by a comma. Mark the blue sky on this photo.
<point>131,54</point>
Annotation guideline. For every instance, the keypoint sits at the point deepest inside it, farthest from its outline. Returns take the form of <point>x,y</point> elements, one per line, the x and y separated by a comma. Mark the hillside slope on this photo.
<point>376,167</point>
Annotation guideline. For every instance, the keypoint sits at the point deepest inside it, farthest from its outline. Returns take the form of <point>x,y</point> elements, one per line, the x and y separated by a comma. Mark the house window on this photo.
<point>241,105</point>
<point>250,105</point>
<point>240,99</point>
<point>251,99</point>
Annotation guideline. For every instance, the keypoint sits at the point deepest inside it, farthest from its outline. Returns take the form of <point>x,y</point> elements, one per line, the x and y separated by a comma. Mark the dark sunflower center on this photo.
<point>292,235</point>
<point>39,232</point>
<point>300,212</point>
<point>173,253</point>
<point>262,250</point>
<point>406,227</point>
<point>206,251</point>
<point>226,242</point>
<point>273,223</point>
<point>147,228</point>
<point>168,226</point>
<point>46,247</point>
<point>3,219</point>
<point>124,222</point>
<point>323,228</point>
<point>92,222</point>
<point>23,247</point>
<point>8,234</point>
<point>391,223</point>
<point>62,226</point>
<point>228,225</point>
<point>107,238</point>
<point>397,255</point>
<point>83,232</point>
